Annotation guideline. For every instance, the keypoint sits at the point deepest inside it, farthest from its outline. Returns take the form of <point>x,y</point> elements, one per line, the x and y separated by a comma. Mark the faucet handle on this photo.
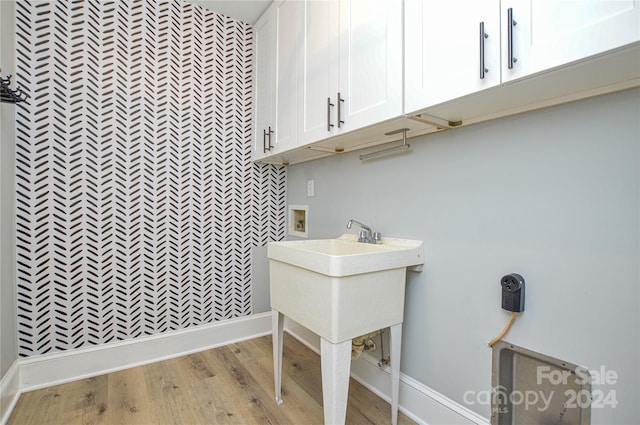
<point>377,237</point>
<point>363,236</point>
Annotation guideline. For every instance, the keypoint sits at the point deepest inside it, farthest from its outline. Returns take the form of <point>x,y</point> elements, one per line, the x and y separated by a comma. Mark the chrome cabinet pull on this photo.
<point>483,36</point>
<point>340,100</point>
<point>266,148</point>
<point>510,24</point>
<point>329,105</point>
<point>264,140</point>
<point>270,133</point>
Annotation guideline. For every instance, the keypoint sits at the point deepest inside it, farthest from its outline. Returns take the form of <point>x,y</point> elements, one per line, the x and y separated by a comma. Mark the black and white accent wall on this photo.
<point>137,202</point>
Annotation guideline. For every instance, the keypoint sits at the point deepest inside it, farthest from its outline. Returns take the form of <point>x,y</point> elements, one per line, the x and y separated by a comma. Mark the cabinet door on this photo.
<point>371,65</point>
<point>319,63</point>
<point>446,57</point>
<point>288,25</point>
<point>265,83</point>
<point>550,33</point>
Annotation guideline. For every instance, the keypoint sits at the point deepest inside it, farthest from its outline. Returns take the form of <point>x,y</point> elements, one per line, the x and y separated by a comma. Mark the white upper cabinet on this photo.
<point>449,57</point>
<point>370,62</point>
<point>288,16</point>
<point>351,66</point>
<point>336,66</point>
<point>265,100</point>
<point>319,69</point>
<point>339,75</point>
<point>452,49</point>
<point>539,35</point>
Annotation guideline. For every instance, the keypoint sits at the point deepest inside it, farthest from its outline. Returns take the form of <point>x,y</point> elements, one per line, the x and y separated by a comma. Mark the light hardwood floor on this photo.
<point>226,385</point>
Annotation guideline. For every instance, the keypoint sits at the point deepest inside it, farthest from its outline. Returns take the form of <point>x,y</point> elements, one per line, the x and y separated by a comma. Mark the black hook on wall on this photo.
<point>9,95</point>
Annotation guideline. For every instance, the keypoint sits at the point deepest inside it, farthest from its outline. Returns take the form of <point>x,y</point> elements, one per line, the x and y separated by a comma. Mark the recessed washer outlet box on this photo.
<point>533,388</point>
<point>298,221</point>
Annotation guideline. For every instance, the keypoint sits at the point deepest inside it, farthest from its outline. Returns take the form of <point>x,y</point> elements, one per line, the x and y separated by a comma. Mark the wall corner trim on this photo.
<point>58,368</point>
<point>9,391</point>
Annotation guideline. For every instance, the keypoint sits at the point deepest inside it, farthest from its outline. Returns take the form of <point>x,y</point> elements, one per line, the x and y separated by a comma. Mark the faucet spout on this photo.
<point>364,226</point>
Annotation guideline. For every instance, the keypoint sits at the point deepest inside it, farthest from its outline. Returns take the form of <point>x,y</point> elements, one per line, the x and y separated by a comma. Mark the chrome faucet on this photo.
<point>366,235</point>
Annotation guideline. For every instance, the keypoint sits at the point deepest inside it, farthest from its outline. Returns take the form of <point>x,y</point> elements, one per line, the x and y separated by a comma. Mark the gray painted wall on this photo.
<point>8,334</point>
<point>552,195</point>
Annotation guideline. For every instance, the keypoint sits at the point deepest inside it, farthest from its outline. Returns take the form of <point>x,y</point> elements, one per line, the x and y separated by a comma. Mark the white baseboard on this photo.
<point>9,391</point>
<point>53,369</point>
<point>419,402</point>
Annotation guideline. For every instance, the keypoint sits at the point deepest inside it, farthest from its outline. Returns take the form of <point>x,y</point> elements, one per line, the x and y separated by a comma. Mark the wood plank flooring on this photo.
<point>227,385</point>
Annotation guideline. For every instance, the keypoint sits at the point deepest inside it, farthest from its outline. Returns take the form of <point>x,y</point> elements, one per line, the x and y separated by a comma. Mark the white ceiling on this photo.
<point>243,10</point>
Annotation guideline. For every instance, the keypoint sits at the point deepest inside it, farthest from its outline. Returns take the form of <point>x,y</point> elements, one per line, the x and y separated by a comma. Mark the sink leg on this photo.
<point>396,341</point>
<point>336,365</point>
<point>277,320</point>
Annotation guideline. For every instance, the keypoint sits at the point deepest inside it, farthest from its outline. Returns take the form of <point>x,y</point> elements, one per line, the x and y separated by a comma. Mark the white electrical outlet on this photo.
<point>310,188</point>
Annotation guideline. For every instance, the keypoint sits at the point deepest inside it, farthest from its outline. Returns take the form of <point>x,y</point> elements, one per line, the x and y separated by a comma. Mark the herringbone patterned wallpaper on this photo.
<point>137,203</point>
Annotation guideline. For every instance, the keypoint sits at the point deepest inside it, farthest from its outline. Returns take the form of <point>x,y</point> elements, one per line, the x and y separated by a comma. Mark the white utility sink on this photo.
<point>341,289</point>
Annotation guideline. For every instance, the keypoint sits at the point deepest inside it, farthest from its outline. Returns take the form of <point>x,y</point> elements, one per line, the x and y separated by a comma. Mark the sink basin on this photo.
<point>346,256</point>
<point>341,288</point>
